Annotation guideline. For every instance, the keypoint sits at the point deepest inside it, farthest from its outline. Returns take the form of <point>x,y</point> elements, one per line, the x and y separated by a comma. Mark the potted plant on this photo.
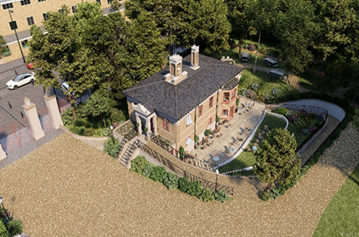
<point>196,139</point>
<point>206,133</point>
<point>146,130</point>
<point>218,119</point>
<point>237,104</point>
<point>181,152</point>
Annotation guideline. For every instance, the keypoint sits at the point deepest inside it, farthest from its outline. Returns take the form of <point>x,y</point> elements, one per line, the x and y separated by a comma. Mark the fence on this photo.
<point>164,144</point>
<point>15,135</point>
<point>181,172</point>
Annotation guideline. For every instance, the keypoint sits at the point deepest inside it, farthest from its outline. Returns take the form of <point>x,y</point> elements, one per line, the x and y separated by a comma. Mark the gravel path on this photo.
<point>67,188</point>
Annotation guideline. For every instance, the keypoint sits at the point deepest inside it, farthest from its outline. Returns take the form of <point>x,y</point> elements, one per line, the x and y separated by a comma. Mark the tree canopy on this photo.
<point>2,45</point>
<point>276,160</point>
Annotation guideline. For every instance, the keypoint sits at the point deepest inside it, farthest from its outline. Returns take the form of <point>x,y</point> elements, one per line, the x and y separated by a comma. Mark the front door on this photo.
<point>231,112</point>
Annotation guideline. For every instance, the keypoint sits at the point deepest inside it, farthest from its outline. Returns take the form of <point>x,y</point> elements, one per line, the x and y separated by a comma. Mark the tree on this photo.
<point>186,22</point>
<point>100,104</point>
<point>276,160</point>
<point>2,45</point>
<point>115,5</point>
<point>261,15</point>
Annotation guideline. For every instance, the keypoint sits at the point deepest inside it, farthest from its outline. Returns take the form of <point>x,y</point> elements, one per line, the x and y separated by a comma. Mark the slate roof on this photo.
<point>175,101</point>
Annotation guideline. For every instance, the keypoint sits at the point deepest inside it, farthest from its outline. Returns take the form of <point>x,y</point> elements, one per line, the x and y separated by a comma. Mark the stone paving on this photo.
<point>227,138</point>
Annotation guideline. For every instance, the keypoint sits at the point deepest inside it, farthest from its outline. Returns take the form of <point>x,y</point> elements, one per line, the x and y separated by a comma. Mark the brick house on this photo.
<point>183,100</point>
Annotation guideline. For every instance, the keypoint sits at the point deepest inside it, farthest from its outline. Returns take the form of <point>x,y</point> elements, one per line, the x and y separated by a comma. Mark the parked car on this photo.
<point>21,80</point>
<point>277,73</point>
<point>245,56</point>
<point>271,62</point>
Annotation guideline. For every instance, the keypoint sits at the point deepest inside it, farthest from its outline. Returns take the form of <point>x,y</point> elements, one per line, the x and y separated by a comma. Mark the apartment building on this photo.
<point>19,15</point>
<point>184,99</point>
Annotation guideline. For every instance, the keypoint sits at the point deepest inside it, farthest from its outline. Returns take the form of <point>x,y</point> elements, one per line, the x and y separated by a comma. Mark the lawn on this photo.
<point>341,216</point>
<point>246,159</point>
<point>265,83</point>
<point>310,81</point>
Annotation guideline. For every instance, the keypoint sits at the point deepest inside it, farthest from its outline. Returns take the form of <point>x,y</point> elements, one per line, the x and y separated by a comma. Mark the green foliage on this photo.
<point>171,180</point>
<point>147,170</point>
<point>207,195</point>
<point>356,120</point>
<point>207,132</point>
<point>281,110</point>
<point>196,138</point>
<point>158,174</point>
<point>115,5</point>
<point>3,228</point>
<point>138,164</point>
<point>181,152</point>
<point>194,188</point>
<point>276,160</point>
<point>14,227</point>
<point>117,116</point>
<point>218,119</point>
<point>2,45</point>
<point>254,86</point>
<point>237,102</point>
<point>183,184</point>
<point>221,196</point>
<point>264,195</point>
<point>112,146</point>
<point>67,117</point>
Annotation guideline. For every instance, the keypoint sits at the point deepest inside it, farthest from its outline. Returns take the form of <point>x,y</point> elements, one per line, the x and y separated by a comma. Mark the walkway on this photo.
<point>227,138</point>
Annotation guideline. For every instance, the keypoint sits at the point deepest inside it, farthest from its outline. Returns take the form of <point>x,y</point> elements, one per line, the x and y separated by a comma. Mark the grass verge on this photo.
<point>340,218</point>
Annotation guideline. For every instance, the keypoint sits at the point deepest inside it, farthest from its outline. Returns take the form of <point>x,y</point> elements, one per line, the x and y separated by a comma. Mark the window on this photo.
<point>6,51</point>
<point>211,102</point>
<point>226,97</point>
<point>24,44</point>
<point>225,112</point>
<point>210,121</point>
<point>109,1</point>
<point>99,1</point>
<point>60,10</point>
<point>7,6</point>
<point>200,110</point>
<point>74,9</point>
<point>188,141</point>
<point>41,0</point>
<point>188,120</point>
<point>45,16</point>
<point>165,124</point>
<point>30,21</point>
<point>25,2</point>
<point>233,94</point>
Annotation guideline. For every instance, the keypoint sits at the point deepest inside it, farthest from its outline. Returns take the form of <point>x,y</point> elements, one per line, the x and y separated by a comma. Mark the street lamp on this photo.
<point>111,127</point>
<point>13,26</point>
<point>217,172</point>
<point>8,218</point>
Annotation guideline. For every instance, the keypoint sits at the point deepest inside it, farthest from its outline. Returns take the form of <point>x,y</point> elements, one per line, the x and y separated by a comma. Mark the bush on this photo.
<point>281,110</point>
<point>207,132</point>
<point>158,174</point>
<point>194,188</point>
<point>138,164</point>
<point>221,196</point>
<point>183,184</point>
<point>3,228</point>
<point>207,195</point>
<point>171,180</point>
<point>254,86</point>
<point>80,122</point>
<point>274,92</point>
<point>264,195</point>
<point>243,92</point>
<point>113,147</point>
<point>117,116</point>
<point>252,47</point>
<point>181,152</point>
<point>305,131</point>
<point>67,117</point>
<point>14,227</point>
<point>147,170</point>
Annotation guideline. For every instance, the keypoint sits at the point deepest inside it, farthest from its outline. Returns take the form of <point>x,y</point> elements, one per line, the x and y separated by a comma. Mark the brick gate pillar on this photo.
<point>2,153</point>
<point>33,117</point>
<point>53,111</point>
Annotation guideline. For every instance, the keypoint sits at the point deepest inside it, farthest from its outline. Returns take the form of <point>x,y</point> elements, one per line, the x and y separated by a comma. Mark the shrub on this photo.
<point>158,174</point>
<point>254,86</point>
<point>252,47</point>
<point>2,227</point>
<point>181,152</point>
<point>305,131</point>
<point>183,184</point>
<point>171,180</point>
<point>147,170</point>
<point>243,92</point>
<point>264,195</point>
<point>138,164</point>
<point>281,110</point>
<point>207,195</point>
<point>14,227</point>
<point>113,147</point>
<point>221,196</point>
<point>194,188</point>
<point>67,117</point>
<point>80,122</point>
<point>250,94</point>
<point>207,132</point>
<point>77,130</point>
<point>117,116</point>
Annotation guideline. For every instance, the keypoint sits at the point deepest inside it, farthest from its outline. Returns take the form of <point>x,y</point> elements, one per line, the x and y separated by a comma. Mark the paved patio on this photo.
<point>226,142</point>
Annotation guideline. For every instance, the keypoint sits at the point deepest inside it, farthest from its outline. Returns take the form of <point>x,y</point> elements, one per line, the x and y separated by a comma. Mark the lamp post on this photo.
<point>13,27</point>
<point>111,127</point>
<point>217,172</point>
<point>8,218</point>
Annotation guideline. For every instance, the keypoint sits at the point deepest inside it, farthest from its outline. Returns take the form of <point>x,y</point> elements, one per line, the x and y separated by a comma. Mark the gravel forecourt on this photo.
<point>68,188</point>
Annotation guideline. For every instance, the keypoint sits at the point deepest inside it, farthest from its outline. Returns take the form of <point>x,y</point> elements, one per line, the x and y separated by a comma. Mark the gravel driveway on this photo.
<point>67,188</point>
